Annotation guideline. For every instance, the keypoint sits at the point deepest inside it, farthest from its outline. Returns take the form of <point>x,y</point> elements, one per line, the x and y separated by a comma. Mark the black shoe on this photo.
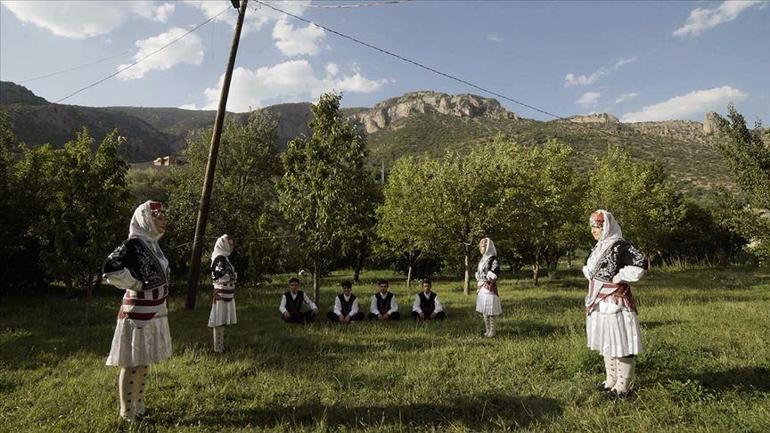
<point>614,395</point>
<point>600,387</point>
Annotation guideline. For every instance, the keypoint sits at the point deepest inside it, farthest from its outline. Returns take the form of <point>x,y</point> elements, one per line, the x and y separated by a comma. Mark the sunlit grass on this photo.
<point>706,365</point>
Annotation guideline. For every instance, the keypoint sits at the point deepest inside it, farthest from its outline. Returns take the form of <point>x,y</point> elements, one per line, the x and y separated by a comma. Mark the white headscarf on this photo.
<point>489,252</point>
<point>611,233</point>
<point>221,248</point>
<point>143,227</point>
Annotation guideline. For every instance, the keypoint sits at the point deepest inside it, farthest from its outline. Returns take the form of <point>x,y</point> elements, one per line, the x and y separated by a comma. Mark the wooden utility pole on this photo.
<point>211,165</point>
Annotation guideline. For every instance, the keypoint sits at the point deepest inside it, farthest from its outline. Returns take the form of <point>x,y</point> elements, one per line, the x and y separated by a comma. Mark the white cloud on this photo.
<point>83,19</point>
<point>625,97</point>
<point>289,81</point>
<point>189,50</point>
<point>299,41</point>
<point>256,17</point>
<point>589,99</point>
<point>188,107</point>
<point>701,20</point>
<point>332,69</point>
<point>680,107</point>
<point>584,80</point>
<point>493,37</point>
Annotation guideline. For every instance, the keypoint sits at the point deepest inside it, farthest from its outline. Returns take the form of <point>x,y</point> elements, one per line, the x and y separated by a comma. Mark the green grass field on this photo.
<point>706,365</point>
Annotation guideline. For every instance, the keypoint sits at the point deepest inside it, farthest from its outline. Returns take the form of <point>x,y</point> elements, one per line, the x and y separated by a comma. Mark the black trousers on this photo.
<point>335,318</point>
<point>439,316</point>
<point>298,317</point>
<point>393,316</point>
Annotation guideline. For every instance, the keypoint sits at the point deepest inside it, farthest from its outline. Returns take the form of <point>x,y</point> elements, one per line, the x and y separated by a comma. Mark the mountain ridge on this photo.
<point>411,124</point>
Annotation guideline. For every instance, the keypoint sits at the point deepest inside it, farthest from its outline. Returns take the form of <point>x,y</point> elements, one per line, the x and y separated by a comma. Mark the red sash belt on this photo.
<point>218,292</point>
<point>491,286</point>
<point>620,296</point>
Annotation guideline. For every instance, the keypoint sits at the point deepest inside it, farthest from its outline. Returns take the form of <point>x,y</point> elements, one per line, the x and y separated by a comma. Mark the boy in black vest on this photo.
<point>345,306</point>
<point>291,305</point>
<point>384,305</point>
<point>426,305</point>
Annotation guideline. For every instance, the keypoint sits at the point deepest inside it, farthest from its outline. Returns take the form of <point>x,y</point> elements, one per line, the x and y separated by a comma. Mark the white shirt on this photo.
<point>338,306</point>
<point>307,301</point>
<point>416,305</point>
<point>393,304</point>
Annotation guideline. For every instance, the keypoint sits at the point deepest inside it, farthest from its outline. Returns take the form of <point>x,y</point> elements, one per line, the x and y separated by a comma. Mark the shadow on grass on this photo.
<point>737,379</point>
<point>550,304</point>
<point>474,412</point>
<point>531,328</point>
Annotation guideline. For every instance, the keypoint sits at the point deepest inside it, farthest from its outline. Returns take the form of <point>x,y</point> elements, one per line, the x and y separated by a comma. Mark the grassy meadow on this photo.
<point>705,368</point>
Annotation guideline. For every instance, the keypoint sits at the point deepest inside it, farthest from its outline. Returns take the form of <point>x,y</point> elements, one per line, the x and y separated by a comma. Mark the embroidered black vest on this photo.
<point>427,303</point>
<point>221,267</point>
<point>133,254</point>
<point>620,254</point>
<point>346,306</point>
<point>294,305</point>
<point>383,305</point>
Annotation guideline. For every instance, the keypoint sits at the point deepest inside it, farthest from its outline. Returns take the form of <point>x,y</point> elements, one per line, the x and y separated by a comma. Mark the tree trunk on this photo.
<point>409,277</point>
<point>357,275</point>
<point>467,283</point>
<point>69,288</point>
<point>536,271</point>
<point>316,288</point>
<point>569,259</point>
<point>90,294</point>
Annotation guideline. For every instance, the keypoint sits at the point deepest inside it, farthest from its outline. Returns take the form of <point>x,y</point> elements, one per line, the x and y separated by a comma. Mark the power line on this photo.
<point>74,68</point>
<point>144,57</point>
<point>357,5</point>
<point>414,62</point>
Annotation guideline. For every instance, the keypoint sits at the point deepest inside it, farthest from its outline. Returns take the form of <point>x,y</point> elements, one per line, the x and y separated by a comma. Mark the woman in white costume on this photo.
<point>142,336</point>
<point>224,278</point>
<point>612,324</point>
<point>487,300</point>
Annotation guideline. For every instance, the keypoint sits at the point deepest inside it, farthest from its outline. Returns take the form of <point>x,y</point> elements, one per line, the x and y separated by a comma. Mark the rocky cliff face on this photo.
<point>685,130</point>
<point>595,118</point>
<point>386,112</point>
<point>711,123</point>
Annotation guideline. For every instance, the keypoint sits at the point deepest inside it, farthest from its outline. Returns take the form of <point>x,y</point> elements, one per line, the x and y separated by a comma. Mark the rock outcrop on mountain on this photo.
<point>683,130</point>
<point>391,110</point>
<point>595,118</point>
<point>711,123</point>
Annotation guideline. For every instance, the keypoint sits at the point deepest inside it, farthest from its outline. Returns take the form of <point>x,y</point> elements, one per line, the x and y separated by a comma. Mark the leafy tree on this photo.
<point>462,196</point>
<point>244,188</point>
<point>150,183</point>
<point>404,218</point>
<point>747,153</point>
<point>641,195</point>
<point>324,190</point>
<point>81,202</point>
<point>19,251</point>
<point>748,156</point>
<point>539,213</point>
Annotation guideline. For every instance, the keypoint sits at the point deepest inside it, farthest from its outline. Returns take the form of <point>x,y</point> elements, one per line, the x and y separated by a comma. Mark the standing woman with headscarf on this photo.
<point>612,324</point>
<point>142,336</point>
<point>487,300</point>
<point>224,277</point>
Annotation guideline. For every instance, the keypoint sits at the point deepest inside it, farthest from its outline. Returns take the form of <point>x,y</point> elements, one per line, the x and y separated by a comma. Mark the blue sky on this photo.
<point>637,60</point>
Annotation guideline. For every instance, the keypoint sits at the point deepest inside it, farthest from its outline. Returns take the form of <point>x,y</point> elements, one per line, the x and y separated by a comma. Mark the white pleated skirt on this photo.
<point>488,304</point>
<point>614,331</point>
<point>222,313</point>
<point>133,346</point>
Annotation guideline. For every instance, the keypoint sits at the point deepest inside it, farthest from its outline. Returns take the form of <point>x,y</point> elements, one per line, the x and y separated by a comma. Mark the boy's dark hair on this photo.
<point>293,280</point>
<point>346,284</point>
<point>427,281</point>
<point>383,282</point>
